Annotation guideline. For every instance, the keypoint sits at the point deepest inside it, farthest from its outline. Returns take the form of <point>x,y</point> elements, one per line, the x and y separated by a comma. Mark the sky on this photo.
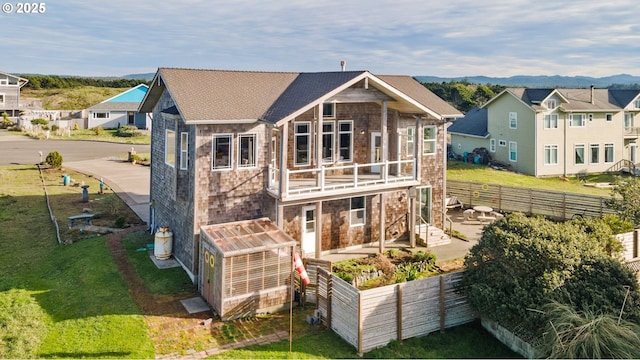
<point>446,38</point>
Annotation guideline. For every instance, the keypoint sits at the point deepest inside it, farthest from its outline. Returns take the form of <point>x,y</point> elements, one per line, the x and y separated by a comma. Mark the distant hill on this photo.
<point>542,81</point>
<point>145,76</point>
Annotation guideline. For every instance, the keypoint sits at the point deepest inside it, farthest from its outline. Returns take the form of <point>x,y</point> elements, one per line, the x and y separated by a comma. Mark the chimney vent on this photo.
<point>593,90</point>
<point>343,65</point>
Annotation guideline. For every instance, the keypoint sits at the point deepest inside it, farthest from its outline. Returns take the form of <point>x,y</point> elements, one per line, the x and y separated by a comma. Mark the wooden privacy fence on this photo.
<point>553,204</point>
<point>368,319</point>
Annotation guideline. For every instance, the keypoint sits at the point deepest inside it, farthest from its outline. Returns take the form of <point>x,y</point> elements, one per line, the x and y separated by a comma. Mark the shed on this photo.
<point>245,267</point>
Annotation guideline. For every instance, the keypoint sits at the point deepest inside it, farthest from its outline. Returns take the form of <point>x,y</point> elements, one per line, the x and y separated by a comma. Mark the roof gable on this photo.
<point>474,123</point>
<point>623,97</point>
<point>18,80</point>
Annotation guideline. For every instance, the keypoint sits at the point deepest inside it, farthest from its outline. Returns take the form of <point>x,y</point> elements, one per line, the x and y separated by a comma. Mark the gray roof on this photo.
<point>217,95</point>
<point>576,99</point>
<point>623,97</point>
<point>474,123</point>
<point>115,106</point>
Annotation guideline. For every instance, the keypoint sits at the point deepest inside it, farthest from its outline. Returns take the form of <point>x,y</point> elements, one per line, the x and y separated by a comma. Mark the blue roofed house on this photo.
<point>554,132</point>
<point>336,160</point>
<point>120,110</point>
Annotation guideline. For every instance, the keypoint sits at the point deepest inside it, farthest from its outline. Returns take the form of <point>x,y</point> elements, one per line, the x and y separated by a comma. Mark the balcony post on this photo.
<point>322,177</point>
<point>355,175</point>
<point>284,177</point>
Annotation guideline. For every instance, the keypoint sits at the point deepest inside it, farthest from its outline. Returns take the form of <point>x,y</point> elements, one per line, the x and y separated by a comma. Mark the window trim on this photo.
<point>549,150</point>
<point>552,104</point>
<point>433,140</point>
<point>582,120</point>
<point>107,115</point>
<point>184,150</point>
<point>2,98</point>
<point>492,145</point>
<point>411,140</point>
<point>513,151</point>
<point>169,158</point>
<point>513,120</point>
<point>549,120</point>
<point>249,165</point>
<point>502,143</point>
<point>591,147</point>
<point>608,117</point>
<point>575,147</point>
<point>214,167</point>
<point>295,143</point>
<point>611,146</point>
<point>339,139</point>
<point>332,143</point>
<point>353,211</point>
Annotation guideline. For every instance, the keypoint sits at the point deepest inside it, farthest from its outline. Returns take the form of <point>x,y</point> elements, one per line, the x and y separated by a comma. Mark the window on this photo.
<point>169,147</point>
<point>184,151</point>
<point>492,145</point>
<point>551,121</point>
<point>502,142</point>
<point>247,155</point>
<point>100,115</point>
<point>329,110</point>
<point>513,120</point>
<point>221,149</point>
<point>579,154</point>
<point>551,154</point>
<point>328,129</point>
<point>576,120</point>
<point>551,104</point>
<point>345,138</point>
<point>1,99</point>
<point>608,153</point>
<point>429,140</point>
<point>301,143</point>
<point>636,103</point>
<point>411,135</point>
<point>513,151</point>
<point>357,212</point>
<point>628,120</point>
<point>609,117</point>
<point>595,153</point>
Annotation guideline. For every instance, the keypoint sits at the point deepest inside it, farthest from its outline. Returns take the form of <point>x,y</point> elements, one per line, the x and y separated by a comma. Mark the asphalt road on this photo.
<point>22,150</point>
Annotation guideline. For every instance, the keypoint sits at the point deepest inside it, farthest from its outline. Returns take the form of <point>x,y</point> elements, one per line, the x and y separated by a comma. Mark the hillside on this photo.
<point>69,99</point>
<point>543,81</point>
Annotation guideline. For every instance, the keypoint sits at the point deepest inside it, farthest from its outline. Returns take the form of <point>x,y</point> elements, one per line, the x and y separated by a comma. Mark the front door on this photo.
<point>424,206</point>
<point>309,230</point>
<point>207,261</point>
<point>376,151</point>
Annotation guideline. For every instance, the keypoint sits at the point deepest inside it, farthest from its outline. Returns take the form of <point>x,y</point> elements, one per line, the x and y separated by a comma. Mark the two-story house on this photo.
<point>10,86</point>
<point>335,159</point>
<point>553,132</point>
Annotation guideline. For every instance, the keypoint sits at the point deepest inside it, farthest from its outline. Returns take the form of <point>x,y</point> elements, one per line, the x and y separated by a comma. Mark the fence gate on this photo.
<point>309,292</point>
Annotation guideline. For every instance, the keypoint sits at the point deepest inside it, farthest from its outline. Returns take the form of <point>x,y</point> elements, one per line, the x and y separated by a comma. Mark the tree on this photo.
<point>54,159</point>
<point>521,263</point>
<point>625,199</point>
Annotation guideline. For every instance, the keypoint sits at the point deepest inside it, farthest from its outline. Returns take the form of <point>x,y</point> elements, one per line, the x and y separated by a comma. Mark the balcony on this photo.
<point>340,180</point>
<point>631,132</point>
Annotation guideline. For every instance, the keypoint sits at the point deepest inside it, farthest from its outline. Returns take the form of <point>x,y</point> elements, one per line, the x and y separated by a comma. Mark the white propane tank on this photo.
<point>163,245</point>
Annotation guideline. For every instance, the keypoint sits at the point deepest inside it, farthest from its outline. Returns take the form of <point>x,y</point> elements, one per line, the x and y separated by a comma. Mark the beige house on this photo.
<point>10,86</point>
<point>335,160</point>
<point>554,132</point>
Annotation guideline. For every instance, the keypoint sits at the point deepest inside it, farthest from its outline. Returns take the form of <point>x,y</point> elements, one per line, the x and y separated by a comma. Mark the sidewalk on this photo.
<point>130,182</point>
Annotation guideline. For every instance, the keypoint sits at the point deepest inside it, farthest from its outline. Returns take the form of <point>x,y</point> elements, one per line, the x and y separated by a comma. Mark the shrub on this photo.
<point>99,131</point>
<point>128,131</point>
<point>6,122</point>
<point>54,159</point>
<point>75,126</point>
<point>120,222</point>
<point>39,121</point>
<point>55,127</point>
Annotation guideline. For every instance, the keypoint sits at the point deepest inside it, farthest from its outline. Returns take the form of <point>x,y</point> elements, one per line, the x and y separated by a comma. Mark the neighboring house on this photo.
<point>334,159</point>
<point>120,110</point>
<point>554,132</point>
<point>10,86</point>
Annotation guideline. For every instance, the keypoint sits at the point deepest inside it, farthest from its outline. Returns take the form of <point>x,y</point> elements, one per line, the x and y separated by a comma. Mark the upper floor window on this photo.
<point>513,120</point>
<point>357,211</point>
<point>247,153</point>
<point>329,110</point>
<point>609,117</point>
<point>411,135</point>
<point>222,151</point>
<point>628,120</point>
<point>429,139</point>
<point>184,150</point>
<point>101,115</point>
<point>576,120</point>
<point>551,154</point>
<point>345,139</point>
<point>551,121</point>
<point>170,147</point>
<point>328,137</point>
<point>302,143</point>
<point>551,104</point>
<point>513,151</point>
<point>492,145</point>
<point>636,103</point>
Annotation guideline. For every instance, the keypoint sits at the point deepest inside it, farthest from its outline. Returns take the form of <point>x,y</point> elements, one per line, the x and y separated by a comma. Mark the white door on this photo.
<point>376,151</point>
<point>309,230</point>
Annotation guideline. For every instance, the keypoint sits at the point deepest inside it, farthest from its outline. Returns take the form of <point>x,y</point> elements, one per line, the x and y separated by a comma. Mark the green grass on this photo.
<point>458,170</point>
<point>108,135</point>
<point>80,296</point>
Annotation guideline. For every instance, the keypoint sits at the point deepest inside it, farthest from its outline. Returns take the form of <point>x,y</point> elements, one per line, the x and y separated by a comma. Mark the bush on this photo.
<point>54,159</point>
<point>55,127</point>
<point>39,121</point>
<point>99,131</point>
<point>120,222</point>
<point>6,122</point>
<point>128,131</point>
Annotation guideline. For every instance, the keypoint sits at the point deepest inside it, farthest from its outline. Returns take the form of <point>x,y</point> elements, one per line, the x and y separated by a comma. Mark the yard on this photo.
<point>99,296</point>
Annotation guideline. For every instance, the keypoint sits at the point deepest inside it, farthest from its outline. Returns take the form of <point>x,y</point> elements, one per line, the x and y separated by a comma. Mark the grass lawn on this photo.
<point>72,293</point>
<point>458,170</point>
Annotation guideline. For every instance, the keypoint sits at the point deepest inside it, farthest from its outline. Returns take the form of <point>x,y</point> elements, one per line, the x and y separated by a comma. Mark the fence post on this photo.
<point>442,304</point>
<point>360,353</point>
<point>399,311</point>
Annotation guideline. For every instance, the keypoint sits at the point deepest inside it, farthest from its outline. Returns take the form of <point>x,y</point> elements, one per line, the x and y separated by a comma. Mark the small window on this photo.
<point>595,153</point>
<point>513,120</point>
<point>513,151</point>
<point>1,99</point>
<point>302,143</point>
<point>551,154</point>
<point>357,213</point>
<point>345,138</point>
<point>579,154</point>
<point>184,151</point>
<point>492,145</point>
<point>170,148</point>
<point>329,110</point>
<point>222,151</point>
<point>248,151</point>
<point>502,143</point>
<point>411,135</point>
<point>576,120</point>
<point>551,104</point>
<point>429,140</point>
<point>609,117</point>
<point>328,136</point>
<point>551,121</point>
<point>100,115</point>
<point>636,103</point>
<point>608,153</point>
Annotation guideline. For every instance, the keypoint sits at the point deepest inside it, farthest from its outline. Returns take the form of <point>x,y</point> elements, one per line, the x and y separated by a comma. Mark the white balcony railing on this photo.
<point>344,177</point>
